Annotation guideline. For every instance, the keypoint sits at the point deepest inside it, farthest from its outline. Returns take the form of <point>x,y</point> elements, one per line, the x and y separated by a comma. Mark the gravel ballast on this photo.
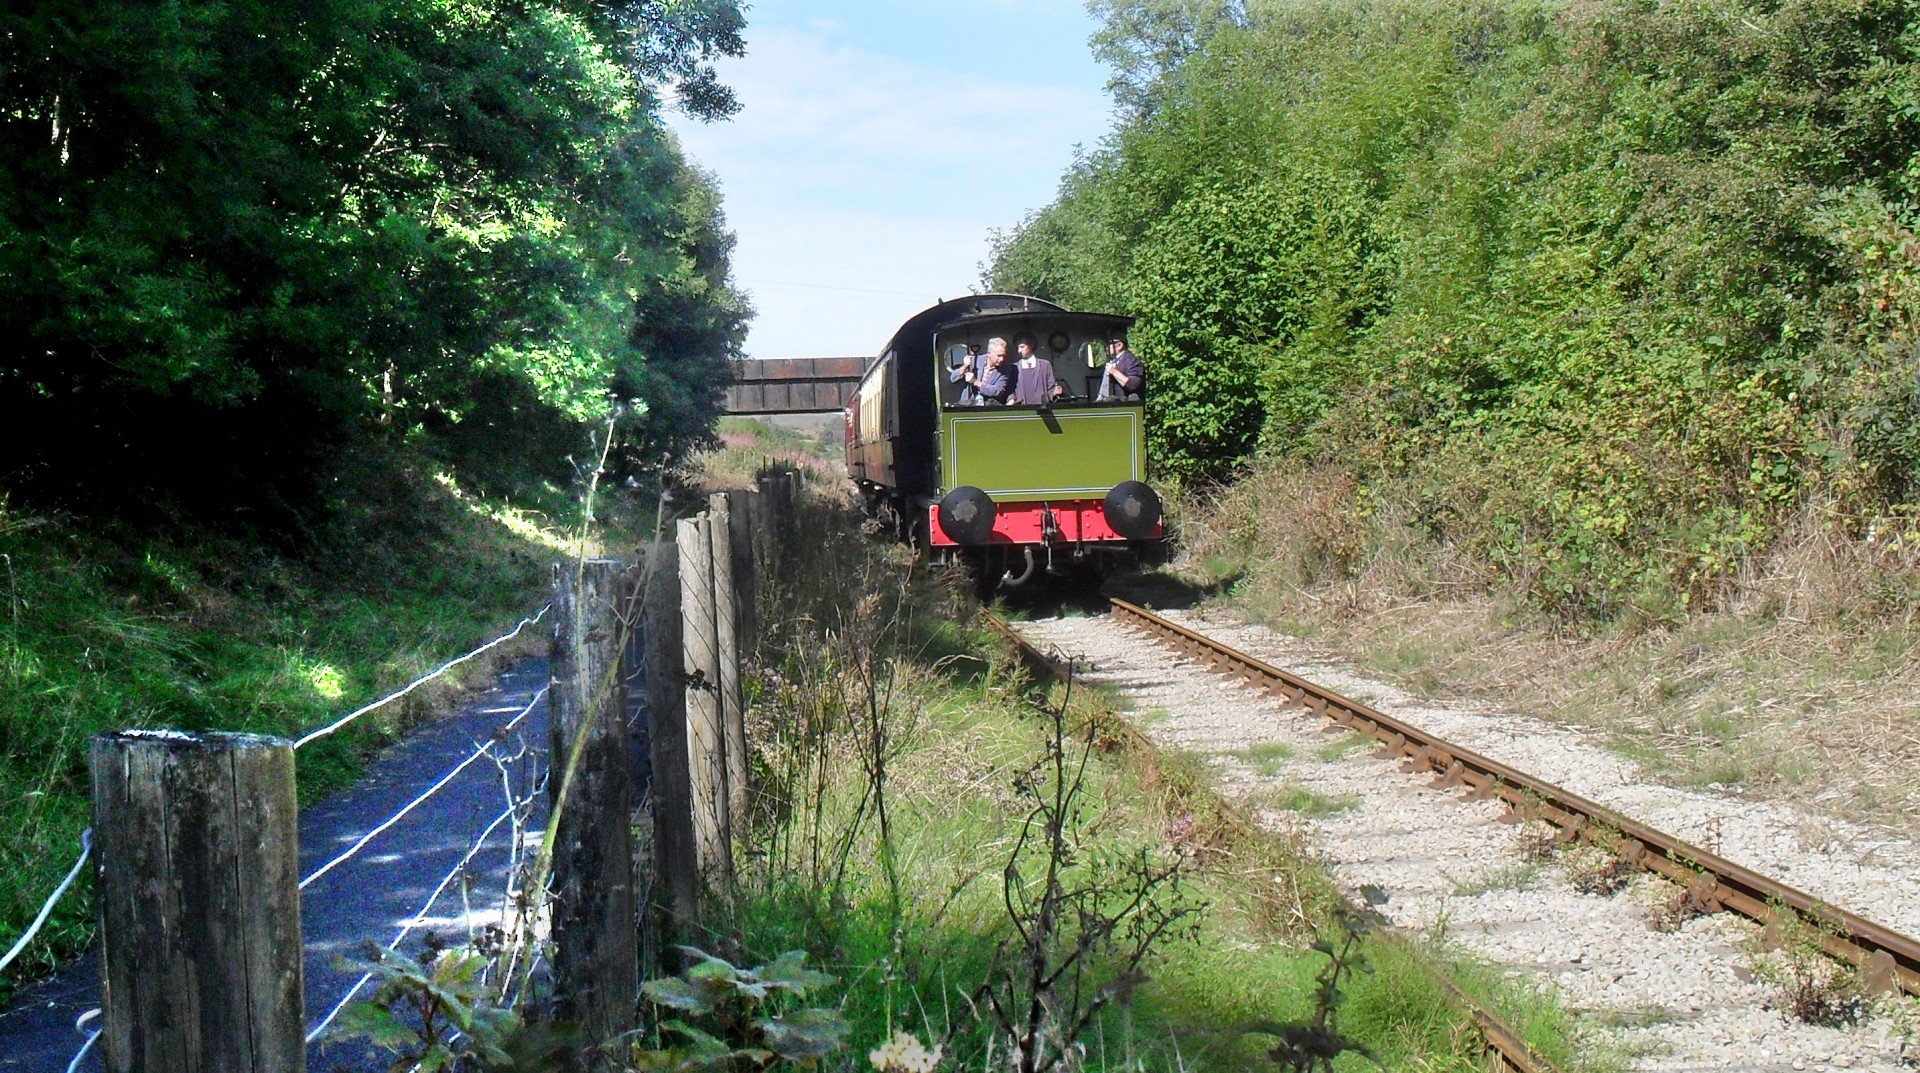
<point>1447,868</point>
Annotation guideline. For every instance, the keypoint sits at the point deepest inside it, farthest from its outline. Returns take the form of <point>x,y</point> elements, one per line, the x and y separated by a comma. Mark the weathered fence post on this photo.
<point>675,857</point>
<point>706,736</point>
<point>766,512</point>
<point>777,491</point>
<point>745,569</point>
<point>198,896</point>
<point>726,631</point>
<point>596,960</point>
<point>633,659</point>
<point>633,667</point>
<point>790,507</point>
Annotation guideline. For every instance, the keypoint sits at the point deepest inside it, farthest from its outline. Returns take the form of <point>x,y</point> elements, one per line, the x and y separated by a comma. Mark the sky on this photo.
<point>877,145</point>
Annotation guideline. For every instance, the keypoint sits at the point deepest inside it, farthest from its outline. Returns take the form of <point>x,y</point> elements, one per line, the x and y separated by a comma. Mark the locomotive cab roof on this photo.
<point>922,325</point>
<point>1101,324</point>
<point>1009,315</point>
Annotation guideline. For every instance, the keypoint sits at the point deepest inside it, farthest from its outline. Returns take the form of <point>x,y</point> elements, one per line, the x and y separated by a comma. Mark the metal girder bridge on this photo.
<point>793,385</point>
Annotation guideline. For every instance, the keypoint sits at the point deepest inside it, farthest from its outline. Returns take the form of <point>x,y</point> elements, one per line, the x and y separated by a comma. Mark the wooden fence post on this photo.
<point>596,959</point>
<point>778,492</point>
<point>765,571</point>
<point>198,895</point>
<point>765,523</point>
<point>633,670</point>
<point>706,758</point>
<point>726,623</point>
<point>745,570</point>
<point>633,661</point>
<point>675,856</point>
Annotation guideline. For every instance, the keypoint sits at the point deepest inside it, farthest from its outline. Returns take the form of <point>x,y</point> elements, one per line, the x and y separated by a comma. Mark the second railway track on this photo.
<point>1885,958</point>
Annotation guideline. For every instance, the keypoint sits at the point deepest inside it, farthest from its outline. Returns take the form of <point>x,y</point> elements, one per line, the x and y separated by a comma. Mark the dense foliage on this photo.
<point>243,238</point>
<point>1609,284</point>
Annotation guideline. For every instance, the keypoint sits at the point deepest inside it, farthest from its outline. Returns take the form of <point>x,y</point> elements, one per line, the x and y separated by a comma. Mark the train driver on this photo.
<point>990,383</point>
<point>1037,385</point>
<point>1125,376</point>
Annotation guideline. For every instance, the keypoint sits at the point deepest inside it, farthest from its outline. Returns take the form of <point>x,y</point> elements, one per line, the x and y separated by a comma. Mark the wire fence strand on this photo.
<point>418,918</point>
<point>348,718</point>
<point>483,750</point>
<point>86,837</point>
<point>81,1054</point>
<point>33,929</point>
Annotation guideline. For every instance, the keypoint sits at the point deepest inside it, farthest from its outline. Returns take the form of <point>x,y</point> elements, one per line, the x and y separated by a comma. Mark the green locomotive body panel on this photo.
<point>1026,455</point>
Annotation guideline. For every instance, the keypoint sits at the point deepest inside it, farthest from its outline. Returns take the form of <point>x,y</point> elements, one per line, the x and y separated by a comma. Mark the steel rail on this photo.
<point>1505,1045</point>
<point>1886,959</point>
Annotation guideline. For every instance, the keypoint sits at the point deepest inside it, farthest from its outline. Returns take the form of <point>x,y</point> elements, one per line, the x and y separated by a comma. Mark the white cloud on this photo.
<point>856,181</point>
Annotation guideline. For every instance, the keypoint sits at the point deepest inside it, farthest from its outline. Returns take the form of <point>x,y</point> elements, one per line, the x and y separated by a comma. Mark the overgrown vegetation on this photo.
<point>748,448</point>
<point>951,867</point>
<point>301,298</point>
<point>1593,303</point>
<point>1808,985</point>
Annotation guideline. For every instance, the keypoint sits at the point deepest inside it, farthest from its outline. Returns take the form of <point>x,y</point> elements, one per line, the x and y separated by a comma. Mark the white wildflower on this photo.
<point>902,1053</point>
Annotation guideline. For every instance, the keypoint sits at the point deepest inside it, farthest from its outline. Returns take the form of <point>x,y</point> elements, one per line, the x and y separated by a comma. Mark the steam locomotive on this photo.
<point>1009,490</point>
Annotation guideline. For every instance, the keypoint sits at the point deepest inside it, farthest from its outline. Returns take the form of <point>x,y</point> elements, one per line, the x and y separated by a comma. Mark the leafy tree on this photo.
<point>1248,289</point>
<point>1146,42</point>
<point>245,237</point>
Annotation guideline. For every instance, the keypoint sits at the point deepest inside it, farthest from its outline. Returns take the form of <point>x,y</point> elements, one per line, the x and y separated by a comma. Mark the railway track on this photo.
<point>1885,959</point>
<point>1504,1045</point>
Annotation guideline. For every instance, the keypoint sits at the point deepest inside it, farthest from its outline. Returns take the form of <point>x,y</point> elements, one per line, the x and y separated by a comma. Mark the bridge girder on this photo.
<point>793,385</point>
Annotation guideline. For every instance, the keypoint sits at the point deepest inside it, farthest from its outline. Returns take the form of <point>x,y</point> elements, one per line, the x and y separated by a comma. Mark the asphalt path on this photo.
<point>364,903</point>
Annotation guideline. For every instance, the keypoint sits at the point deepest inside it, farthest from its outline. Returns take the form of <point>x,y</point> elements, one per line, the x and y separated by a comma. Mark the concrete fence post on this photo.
<point>197,888</point>
<point>596,960</point>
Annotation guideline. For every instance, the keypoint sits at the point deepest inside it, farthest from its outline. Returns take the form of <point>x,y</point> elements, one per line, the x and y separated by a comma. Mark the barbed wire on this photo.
<point>418,918</point>
<point>422,680</point>
<point>33,929</point>
<point>483,750</point>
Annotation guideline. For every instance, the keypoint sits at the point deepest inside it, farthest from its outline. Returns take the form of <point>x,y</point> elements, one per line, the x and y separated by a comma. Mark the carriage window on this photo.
<point>956,355</point>
<point>1094,353</point>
